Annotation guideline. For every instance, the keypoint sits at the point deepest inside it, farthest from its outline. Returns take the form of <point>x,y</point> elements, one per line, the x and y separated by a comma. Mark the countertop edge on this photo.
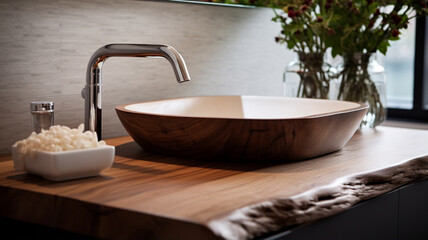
<point>276,214</point>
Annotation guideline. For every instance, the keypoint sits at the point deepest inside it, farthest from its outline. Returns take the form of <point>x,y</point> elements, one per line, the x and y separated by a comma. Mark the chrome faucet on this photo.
<point>92,91</point>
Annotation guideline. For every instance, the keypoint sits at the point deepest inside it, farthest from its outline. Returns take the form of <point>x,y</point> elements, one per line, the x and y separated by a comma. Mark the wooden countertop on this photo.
<point>151,196</point>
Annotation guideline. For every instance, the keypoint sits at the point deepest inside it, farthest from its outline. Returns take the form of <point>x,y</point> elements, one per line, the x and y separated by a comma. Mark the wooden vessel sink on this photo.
<point>242,128</point>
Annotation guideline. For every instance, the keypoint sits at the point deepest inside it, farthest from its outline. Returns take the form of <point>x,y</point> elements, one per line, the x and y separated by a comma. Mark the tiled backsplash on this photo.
<point>45,48</point>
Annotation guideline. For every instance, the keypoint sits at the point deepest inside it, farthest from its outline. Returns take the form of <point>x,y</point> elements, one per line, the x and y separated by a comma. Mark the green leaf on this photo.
<point>383,47</point>
<point>335,51</point>
<point>291,43</point>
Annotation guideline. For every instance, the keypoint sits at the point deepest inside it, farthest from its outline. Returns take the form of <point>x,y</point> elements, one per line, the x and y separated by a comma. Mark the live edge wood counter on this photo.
<point>150,196</point>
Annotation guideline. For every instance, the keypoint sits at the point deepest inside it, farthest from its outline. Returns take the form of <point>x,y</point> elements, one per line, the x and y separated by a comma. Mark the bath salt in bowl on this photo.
<point>61,153</point>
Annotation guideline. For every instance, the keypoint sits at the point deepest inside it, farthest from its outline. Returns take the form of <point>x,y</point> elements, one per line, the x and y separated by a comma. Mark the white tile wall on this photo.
<point>45,46</point>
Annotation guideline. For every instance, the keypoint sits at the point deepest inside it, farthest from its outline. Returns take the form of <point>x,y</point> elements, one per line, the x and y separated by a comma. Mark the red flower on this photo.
<point>291,13</point>
<point>304,8</point>
<point>423,4</point>
<point>395,18</point>
<point>395,33</point>
<point>330,31</point>
<point>320,19</point>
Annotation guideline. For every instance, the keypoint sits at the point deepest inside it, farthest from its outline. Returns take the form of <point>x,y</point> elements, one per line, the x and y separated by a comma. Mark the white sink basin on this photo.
<point>242,128</point>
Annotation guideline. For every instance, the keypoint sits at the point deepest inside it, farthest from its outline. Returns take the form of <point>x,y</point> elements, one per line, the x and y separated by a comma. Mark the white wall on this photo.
<point>45,47</point>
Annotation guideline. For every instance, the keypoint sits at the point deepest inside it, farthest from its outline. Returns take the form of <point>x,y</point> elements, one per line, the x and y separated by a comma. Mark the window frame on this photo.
<point>419,111</point>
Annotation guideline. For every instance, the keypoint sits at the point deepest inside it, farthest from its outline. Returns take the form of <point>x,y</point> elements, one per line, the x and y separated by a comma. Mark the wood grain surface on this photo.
<point>242,139</point>
<point>151,196</point>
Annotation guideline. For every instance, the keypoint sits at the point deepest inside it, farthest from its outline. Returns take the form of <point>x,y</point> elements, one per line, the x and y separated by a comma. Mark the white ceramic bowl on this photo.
<point>60,166</point>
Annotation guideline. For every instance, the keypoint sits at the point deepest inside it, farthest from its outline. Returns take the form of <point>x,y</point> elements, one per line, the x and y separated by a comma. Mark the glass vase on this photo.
<point>363,79</point>
<point>307,76</point>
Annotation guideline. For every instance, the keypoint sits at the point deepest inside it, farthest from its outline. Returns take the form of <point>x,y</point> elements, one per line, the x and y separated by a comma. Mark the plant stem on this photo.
<point>357,86</point>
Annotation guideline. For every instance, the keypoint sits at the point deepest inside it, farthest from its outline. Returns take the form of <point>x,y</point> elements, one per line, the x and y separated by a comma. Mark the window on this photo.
<point>409,100</point>
<point>399,66</point>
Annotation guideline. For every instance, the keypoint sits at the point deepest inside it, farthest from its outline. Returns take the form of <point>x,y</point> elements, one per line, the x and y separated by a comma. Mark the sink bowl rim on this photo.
<point>358,107</point>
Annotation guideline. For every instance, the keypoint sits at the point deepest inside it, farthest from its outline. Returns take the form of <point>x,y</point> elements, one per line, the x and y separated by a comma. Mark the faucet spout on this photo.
<point>92,91</point>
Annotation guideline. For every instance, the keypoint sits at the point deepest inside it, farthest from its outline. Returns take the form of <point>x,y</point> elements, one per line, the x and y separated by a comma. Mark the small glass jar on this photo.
<point>43,115</point>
